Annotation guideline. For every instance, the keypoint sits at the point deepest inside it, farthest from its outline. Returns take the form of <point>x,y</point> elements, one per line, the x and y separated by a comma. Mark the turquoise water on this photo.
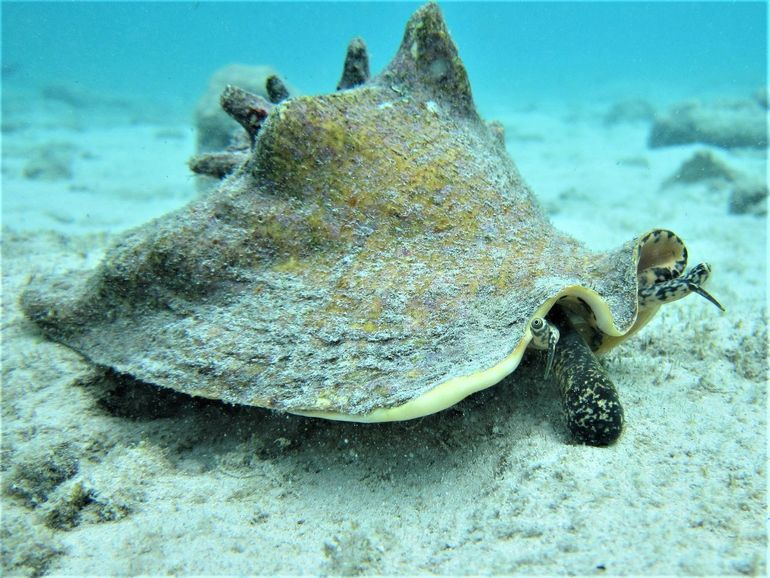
<point>515,52</point>
<point>169,486</point>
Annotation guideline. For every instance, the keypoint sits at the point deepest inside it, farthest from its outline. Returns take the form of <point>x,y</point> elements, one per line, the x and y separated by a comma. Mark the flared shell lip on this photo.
<point>454,390</point>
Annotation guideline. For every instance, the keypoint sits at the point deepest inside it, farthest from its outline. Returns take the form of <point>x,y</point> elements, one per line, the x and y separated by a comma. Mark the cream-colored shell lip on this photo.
<point>450,392</point>
<point>440,397</point>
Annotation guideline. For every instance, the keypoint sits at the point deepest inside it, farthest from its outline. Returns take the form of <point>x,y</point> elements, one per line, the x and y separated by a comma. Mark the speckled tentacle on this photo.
<point>673,289</point>
<point>544,336</point>
<point>590,400</point>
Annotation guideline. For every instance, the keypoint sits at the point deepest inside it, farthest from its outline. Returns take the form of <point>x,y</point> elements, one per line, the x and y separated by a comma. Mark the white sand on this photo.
<point>489,487</point>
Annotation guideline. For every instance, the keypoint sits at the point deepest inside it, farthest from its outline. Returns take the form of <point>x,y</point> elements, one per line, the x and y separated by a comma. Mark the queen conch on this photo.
<point>370,255</point>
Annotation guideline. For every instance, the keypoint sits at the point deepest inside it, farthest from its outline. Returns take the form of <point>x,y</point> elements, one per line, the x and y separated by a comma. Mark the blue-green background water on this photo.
<point>515,52</point>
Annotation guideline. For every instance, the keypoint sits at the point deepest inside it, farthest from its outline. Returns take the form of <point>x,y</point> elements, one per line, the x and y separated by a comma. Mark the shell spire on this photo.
<point>427,63</point>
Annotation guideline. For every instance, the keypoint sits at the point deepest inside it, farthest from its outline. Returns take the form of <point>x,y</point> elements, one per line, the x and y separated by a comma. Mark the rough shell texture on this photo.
<point>214,127</point>
<point>378,256</point>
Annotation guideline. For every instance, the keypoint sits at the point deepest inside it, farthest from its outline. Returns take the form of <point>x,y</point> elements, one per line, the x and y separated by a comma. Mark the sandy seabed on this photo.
<point>101,476</point>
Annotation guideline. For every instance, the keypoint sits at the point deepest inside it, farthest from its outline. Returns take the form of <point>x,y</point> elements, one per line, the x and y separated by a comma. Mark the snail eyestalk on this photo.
<point>544,336</point>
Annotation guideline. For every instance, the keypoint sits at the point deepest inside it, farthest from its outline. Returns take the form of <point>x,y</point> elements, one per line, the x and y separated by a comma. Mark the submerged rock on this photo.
<point>748,197</point>
<point>629,111</point>
<point>728,125</point>
<point>703,166</point>
<point>51,162</point>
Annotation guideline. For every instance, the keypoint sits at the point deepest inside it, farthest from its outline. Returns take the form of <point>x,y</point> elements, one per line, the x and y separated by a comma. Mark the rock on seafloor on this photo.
<point>703,166</point>
<point>748,196</point>
<point>728,124</point>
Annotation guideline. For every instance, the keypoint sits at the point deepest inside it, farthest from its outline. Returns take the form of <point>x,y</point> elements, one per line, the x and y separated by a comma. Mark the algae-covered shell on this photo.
<point>377,256</point>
